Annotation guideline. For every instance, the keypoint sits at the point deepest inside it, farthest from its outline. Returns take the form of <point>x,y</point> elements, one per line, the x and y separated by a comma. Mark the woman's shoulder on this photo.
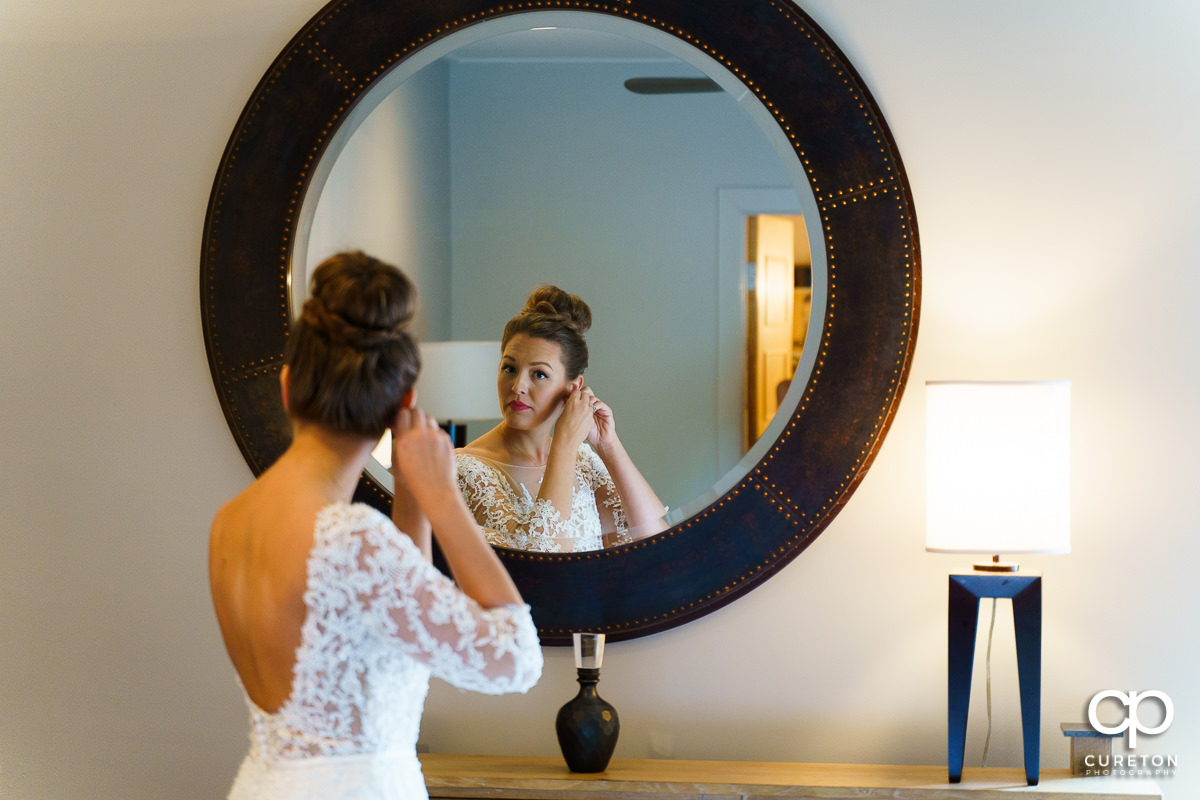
<point>473,461</point>
<point>488,445</point>
<point>350,516</point>
<point>346,527</point>
<point>479,476</point>
<point>486,448</point>
<point>476,458</point>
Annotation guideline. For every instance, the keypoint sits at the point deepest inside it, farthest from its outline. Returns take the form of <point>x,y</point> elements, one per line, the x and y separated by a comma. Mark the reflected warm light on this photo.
<point>383,451</point>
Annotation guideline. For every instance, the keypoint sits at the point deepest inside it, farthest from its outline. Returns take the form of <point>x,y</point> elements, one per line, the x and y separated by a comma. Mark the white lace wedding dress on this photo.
<point>503,498</point>
<point>380,620</point>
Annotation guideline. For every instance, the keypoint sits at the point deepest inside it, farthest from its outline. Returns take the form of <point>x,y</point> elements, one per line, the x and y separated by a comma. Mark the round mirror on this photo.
<point>803,101</point>
<point>494,169</point>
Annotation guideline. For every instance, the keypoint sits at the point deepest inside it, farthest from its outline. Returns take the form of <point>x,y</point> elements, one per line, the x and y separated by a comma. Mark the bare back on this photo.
<point>258,556</point>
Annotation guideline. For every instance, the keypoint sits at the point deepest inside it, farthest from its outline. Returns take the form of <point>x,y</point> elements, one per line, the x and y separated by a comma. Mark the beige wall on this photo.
<point>1051,151</point>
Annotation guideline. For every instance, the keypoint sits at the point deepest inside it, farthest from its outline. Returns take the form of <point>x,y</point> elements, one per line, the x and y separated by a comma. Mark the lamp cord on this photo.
<point>988,739</point>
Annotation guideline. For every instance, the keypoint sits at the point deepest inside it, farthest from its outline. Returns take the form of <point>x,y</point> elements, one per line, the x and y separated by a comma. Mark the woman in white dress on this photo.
<point>553,476</point>
<point>331,612</point>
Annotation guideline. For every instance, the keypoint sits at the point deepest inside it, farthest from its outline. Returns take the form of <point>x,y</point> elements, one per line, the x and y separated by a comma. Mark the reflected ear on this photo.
<point>410,398</point>
<point>577,384</point>
<point>283,388</point>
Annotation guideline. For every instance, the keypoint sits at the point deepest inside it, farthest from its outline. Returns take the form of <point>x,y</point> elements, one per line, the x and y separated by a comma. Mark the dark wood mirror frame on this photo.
<point>867,338</point>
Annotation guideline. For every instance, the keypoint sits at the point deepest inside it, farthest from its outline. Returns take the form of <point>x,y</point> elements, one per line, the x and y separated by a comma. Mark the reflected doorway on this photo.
<point>778,306</point>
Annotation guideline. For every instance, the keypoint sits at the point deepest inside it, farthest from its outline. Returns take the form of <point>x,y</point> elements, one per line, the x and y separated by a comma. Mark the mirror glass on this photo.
<point>512,154</point>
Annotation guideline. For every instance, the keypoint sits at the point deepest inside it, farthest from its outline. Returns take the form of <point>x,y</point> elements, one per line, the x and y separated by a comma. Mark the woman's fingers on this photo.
<point>413,419</point>
<point>406,420</point>
<point>415,429</point>
<point>596,403</point>
<point>423,452</point>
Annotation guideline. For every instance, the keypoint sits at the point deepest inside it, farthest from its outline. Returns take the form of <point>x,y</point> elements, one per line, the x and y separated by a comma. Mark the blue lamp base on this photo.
<point>1025,591</point>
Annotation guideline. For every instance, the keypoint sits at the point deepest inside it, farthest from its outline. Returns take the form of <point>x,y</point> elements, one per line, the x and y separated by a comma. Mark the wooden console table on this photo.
<point>533,778</point>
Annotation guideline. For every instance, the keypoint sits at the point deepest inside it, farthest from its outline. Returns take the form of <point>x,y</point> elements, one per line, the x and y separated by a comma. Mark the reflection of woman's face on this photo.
<point>532,383</point>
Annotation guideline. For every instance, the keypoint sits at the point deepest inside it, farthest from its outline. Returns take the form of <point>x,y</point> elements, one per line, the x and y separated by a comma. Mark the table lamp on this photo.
<point>457,385</point>
<point>997,482</point>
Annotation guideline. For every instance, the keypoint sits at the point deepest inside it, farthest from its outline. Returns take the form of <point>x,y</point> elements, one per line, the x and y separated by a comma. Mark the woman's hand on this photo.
<point>604,429</point>
<point>576,422</point>
<point>422,457</point>
<point>585,418</point>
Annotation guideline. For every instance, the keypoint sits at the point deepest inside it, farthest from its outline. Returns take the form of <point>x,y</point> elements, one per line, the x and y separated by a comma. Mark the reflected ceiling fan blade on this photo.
<point>671,85</point>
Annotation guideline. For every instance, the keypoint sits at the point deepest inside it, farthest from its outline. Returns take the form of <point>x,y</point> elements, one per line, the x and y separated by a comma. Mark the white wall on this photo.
<point>1051,152</point>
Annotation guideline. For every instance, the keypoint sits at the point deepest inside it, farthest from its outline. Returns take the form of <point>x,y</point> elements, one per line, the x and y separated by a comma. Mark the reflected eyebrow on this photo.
<point>509,359</point>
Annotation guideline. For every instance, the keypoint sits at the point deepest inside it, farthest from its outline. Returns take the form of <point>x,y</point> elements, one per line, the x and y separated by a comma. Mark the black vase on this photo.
<point>587,726</point>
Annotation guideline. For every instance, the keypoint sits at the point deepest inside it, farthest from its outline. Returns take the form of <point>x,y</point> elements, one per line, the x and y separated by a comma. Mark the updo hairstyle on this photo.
<point>349,356</point>
<point>556,316</point>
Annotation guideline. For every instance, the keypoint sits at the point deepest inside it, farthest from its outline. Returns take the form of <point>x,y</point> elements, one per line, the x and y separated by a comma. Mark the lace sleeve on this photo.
<point>406,599</point>
<point>508,518</point>
<point>608,502</point>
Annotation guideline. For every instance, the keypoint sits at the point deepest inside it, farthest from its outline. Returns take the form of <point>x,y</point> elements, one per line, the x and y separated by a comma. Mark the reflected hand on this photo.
<point>604,431</point>
<point>576,421</point>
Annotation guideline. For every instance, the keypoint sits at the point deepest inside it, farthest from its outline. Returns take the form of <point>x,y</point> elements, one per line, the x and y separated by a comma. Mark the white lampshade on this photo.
<point>458,380</point>
<point>997,467</point>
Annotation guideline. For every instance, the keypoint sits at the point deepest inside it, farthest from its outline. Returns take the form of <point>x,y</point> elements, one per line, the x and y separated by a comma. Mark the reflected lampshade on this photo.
<point>997,467</point>
<point>458,380</point>
<point>457,384</point>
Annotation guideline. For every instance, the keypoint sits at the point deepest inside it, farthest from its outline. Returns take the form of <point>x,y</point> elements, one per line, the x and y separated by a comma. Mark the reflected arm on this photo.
<point>644,512</point>
<point>558,483</point>
<point>574,425</point>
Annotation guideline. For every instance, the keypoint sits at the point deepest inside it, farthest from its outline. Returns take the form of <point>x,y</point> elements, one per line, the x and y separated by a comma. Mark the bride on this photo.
<point>553,476</point>
<point>331,612</point>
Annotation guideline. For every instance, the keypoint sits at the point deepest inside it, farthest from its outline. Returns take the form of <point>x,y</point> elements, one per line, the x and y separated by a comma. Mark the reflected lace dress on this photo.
<point>381,620</point>
<point>503,498</point>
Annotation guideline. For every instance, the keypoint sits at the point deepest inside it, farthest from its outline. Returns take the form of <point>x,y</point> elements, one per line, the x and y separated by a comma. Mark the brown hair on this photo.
<point>350,358</point>
<point>556,316</point>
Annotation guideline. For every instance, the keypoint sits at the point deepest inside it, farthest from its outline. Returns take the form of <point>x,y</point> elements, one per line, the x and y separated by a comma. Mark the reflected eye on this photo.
<point>539,374</point>
<point>506,369</point>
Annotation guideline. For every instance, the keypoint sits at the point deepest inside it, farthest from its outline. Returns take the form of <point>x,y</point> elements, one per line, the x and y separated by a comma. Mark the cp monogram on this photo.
<point>1131,721</point>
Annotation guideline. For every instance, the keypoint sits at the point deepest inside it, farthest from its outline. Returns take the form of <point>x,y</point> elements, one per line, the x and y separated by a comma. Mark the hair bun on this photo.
<point>553,302</point>
<point>364,303</point>
<point>350,357</point>
<point>341,330</point>
<point>556,316</point>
